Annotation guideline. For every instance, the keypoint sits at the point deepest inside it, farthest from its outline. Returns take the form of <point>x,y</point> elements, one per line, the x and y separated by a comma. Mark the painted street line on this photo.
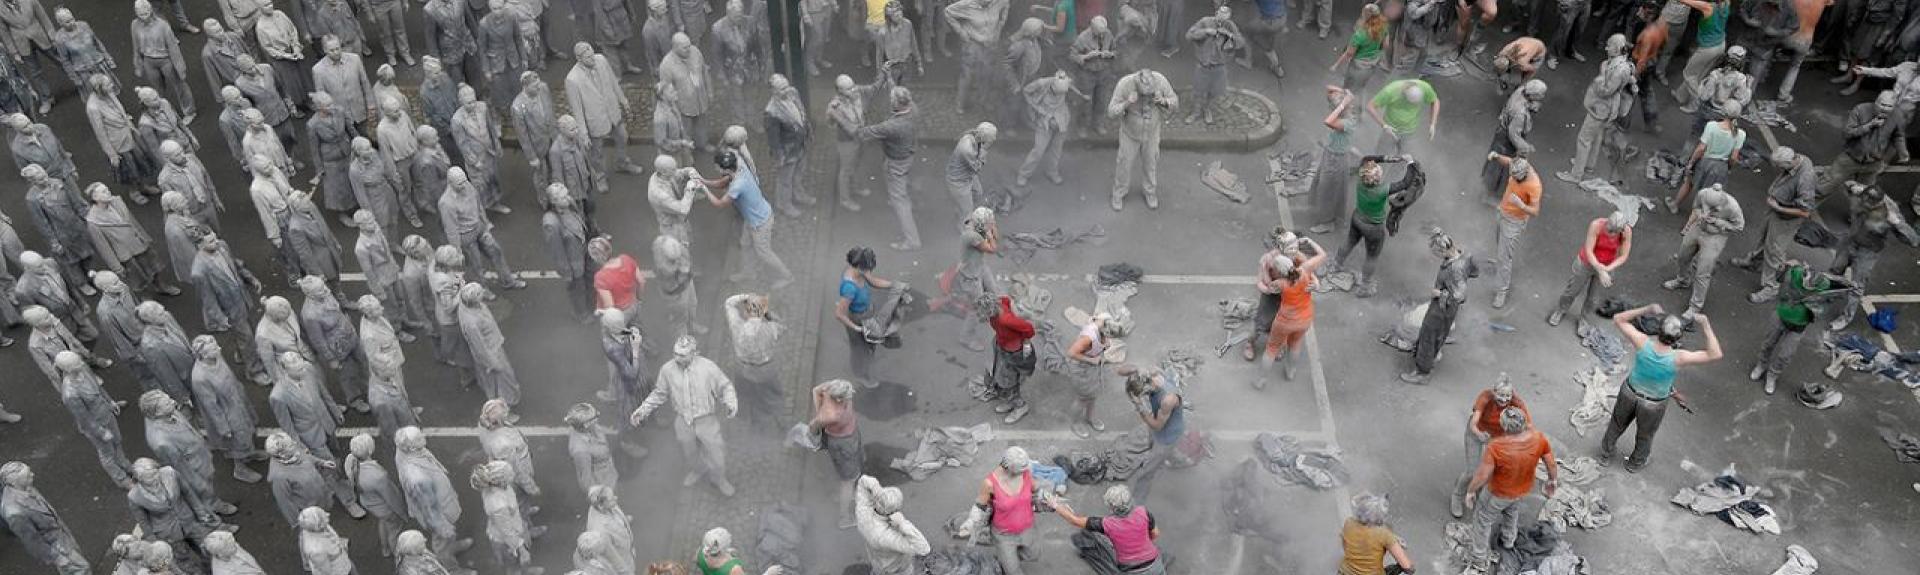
<point>1323,402</point>
<point>1163,279</point>
<point>1025,435</point>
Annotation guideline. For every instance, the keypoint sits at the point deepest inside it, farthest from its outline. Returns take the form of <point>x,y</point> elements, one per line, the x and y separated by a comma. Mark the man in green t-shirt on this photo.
<point>1396,107</point>
<point>1801,290</point>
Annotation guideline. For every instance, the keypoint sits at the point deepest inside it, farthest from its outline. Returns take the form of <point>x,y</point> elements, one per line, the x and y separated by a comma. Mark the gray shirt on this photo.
<point>1795,186</point>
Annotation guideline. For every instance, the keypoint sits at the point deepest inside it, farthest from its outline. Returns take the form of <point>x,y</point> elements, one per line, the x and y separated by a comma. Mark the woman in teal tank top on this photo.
<point>716,556</point>
<point>1642,402</point>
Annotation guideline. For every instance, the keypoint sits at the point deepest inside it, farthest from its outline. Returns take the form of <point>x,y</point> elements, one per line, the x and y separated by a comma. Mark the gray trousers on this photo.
<point>1763,64</point>
<point>899,188</point>
<point>700,443</point>
<point>1007,546</point>
<point>1157,458</point>
<point>1779,346</point>
<point>159,73</point>
<point>618,137</point>
<point>1644,414</point>
<point>483,251</point>
<point>1702,61</point>
<point>1589,145</point>
<point>1137,144</point>
<point>1699,253</point>
<point>1772,249</point>
<point>1583,280</point>
<point>1475,450</point>
<point>1675,33</point>
<point>846,156</point>
<point>1209,84</point>
<point>1488,514</point>
<point>112,458</point>
<point>1047,142</point>
<point>1858,264</point>
<point>1507,247</point>
<point>760,240</point>
<point>964,192</point>
<point>1321,11</point>
<point>1843,169</point>
<point>390,23</point>
<point>789,187</point>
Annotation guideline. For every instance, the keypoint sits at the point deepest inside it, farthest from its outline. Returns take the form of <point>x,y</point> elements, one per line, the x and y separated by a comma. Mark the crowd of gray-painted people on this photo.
<point>371,169</point>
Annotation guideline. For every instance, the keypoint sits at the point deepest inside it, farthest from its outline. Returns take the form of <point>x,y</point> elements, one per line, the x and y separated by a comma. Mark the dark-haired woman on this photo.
<point>1643,398</point>
<point>856,304</point>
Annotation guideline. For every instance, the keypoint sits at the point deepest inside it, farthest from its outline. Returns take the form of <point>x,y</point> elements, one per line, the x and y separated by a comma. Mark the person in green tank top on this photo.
<point>1710,43</point>
<point>1371,198</point>
<point>1803,291</point>
<point>716,556</point>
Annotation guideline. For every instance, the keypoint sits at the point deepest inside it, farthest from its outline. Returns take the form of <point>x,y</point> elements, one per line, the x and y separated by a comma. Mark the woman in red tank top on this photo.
<point>1609,241</point>
<point>1005,505</point>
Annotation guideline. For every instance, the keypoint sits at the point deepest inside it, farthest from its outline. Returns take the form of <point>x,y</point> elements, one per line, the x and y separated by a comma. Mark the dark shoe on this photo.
<point>1578,57</point>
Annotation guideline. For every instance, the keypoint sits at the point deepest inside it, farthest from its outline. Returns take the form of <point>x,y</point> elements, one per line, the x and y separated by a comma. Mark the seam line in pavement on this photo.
<point>1165,279</point>
<point>1323,402</point>
<point>998,435</point>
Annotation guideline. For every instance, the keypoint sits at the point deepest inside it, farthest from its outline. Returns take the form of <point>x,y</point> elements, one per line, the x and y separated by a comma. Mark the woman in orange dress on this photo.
<point>1295,317</point>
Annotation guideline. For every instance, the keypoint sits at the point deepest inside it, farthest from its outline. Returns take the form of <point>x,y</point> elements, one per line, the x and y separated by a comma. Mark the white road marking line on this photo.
<point>1322,401</point>
<point>1032,435</point>
<point>525,275</point>
<point>1163,279</point>
<point>434,432</point>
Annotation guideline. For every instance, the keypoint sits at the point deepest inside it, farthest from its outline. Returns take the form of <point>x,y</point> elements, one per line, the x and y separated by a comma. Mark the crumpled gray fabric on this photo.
<point>1115,462</point>
<point>1236,316</point>
<point>1576,507</point>
<point>1626,202</point>
<point>1406,332</point>
<point>1118,273</point>
<point>1596,403</point>
<point>1097,551</point>
<point>1312,463</point>
<point>1250,499</point>
<point>1111,299</point>
<point>783,529</point>
<point>942,447</point>
<point>1217,178</point>
<point>1607,349</point>
<point>1022,246</point>
<point>1290,166</point>
<point>885,322</point>
<point>1667,168</point>
<point>1799,562</point>
<point>1767,113</point>
<point>1341,280</point>
<point>1732,500</point>
<point>1580,471</point>
<point>1533,544</point>
<point>1905,446</point>
<point>954,561</point>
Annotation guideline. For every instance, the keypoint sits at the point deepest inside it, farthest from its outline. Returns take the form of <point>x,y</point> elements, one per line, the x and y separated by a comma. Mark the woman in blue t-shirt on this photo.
<point>856,303</point>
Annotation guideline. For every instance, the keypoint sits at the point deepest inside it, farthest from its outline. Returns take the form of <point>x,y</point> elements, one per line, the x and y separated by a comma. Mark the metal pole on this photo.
<point>789,55</point>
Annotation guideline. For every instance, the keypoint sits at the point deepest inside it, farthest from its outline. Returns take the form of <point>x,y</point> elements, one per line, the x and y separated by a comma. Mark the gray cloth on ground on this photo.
<point>1607,348</point>
<point>1097,551</point>
<point>1116,462</point>
<point>1312,463</point>
<point>1022,246</point>
<point>1666,167</point>
<point>1236,316</point>
<point>1905,446</point>
<point>783,530</point>
<point>956,561</point>
<point>1406,332</point>
<point>1218,179</point>
<point>1799,562</point>
<point>1576,507</point>
<point>1596,402</point>
<point>942,447</point>
<point>1732,500</point>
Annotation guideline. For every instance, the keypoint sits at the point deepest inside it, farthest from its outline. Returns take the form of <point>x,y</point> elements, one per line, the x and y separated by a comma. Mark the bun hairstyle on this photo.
<point>862,258</point>
<point>1672,327</point>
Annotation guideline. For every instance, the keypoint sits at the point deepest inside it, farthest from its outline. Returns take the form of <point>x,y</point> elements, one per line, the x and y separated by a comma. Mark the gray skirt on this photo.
<point>847,454</point>
<point>1709,171</point>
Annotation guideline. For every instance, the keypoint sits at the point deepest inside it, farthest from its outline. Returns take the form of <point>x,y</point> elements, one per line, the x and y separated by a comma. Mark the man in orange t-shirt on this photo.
<point>1482,426</point>
<point>1520,204</point>
<point>1506,471</point>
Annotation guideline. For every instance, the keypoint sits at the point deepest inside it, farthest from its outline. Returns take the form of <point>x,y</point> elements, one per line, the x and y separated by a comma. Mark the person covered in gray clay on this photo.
<point>389,18</point>
<point>80,52</point>
<point>1215,40</point>
<point>224,409</point>
<point>430,165</point>
<point>50,337</point>
<point>587,446</point>
<point>95,413</point>
<point>566,238</point>
<point>157,59</point>
<point>533,121</point>
<point>226,291</point>
<point>295,477</point>
<point>1026,51</point>
<point>159,123</point>
<point>1051,117</point>
<point>1095,54</point>
<point>817,18</point>
<point>685,71</point>
<point>978,23</point>
<point>259,89</point>
<point>117,322</point>
<point>431,500</point>
<point>897,43</point>
<point>40,285</point>
<point>788,132</point>
<point>604,516</point>
<point>179,446</point>
<point>450,39</point>
<point>488,345</point>
<point>374,489</point>
<point>501,441</point>
<point>60,212</point>
<point>502,52</point>
<point>699,392</point>
<point>261,139</point>
<point>166,354</point>
<point>377,261</point>
<point>278,332</point>
<point>413,305</point>
<point>225,553</point>
<point>303,406</point>
<point>669,125</point>
<point>964,164</point>
<point>444,279</point>
<point>734,54</point>
<point>412,557</point>
<point>39,527</point>
<point>378,187</point>
<point>35,143</point>
<point>331,139</point>
<point>334,18</point>
<point>468,227</point>
<point>477,136</point>
<point>181,171</point>
<point>113,130</point>
<point>670,198</point>
<point>509,526</point>
<point>322,550</point>
<point>573,159</point>
<point>163,511</point>
<point>897,140</point>
<point>124,246</point>
<point>219,56</point>
<point>596,99</point>
<point>334,341</point>
<point>386,383</point>
<point>308,242</point>
<point>1141,100</point>
<point>285,48</point>
<point>626,369</point>
<point>26,32</point>
<point>395,139</point>
<point>673,274</point>
<point>127,554</point>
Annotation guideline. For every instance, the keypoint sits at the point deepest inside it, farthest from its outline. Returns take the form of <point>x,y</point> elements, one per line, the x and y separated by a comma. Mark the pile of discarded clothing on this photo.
<point>1767,113</point>
<point>1003,200</point>
<point>783,528</point>
<point>1112,287</point>
<point>1596,402</point>
<point>1312,463</point>
<point>1905,446</point>
<point>1097,551</point>
<point>942,447</point>
<point>1851,351</point>
<point>1116,462</point>
<point>1236,316</point>
<point>1537,550</point>
<point>1251,501</point>
<point>1337,280</point>
<point>958,561</point>
<point>1799,562</point>
<point>1607,349</point>
<point>1216,177</point>
<point>1666,168</point>
<point>1732,500</point>
<point>1291,167</point>
<point>1022,246</point>
<point>1580,507</point>
<point>1405,333</point>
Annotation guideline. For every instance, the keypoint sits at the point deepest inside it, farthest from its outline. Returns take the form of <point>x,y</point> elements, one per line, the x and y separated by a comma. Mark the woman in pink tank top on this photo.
<point>1129,528</point>
<point>1006,505</point>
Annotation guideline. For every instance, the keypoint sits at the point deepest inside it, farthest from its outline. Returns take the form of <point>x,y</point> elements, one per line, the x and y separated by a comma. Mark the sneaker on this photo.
<point>1578,57</point>
<point>691,478</point>
<point>848,205</point>
<point>1117,204</point>
<point>726,487</point>
<point>1567,177</point>
<point>1554,318</point>
<point>1415,378</point>
<point>1081,430</point>
<point>1366,289</point>
<point>1582,328</point>
<point>1003,408</point>
<point>1759,371</point>
<point>1676,283</point>
<point>1763,295</point>
<point>1553,63</point>
<point>1457,507</point>
<point>1097,425</point>
<point>1153,201</point>
<point>1500,299</point>
<point>1742,263</point>
<point>1015,415</point>
<point>1769,385</point>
